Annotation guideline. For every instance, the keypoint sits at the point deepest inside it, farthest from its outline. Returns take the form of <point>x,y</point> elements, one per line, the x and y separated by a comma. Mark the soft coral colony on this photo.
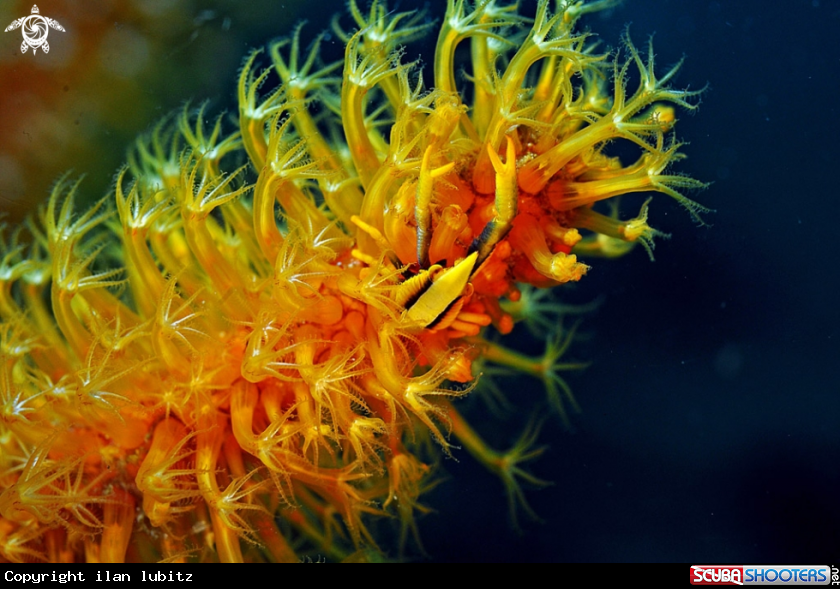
<point>249,364</point>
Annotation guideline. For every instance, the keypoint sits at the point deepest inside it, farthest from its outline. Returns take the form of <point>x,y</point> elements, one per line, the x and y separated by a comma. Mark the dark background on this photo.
<point>710,429</point>
<point>710,411</point>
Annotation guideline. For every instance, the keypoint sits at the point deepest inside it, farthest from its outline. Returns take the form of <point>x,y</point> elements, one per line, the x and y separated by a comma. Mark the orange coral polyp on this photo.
<point>248,364</point>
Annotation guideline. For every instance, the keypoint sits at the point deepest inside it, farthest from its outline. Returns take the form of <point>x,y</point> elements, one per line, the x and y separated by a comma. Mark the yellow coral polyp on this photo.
<point>248,351</point>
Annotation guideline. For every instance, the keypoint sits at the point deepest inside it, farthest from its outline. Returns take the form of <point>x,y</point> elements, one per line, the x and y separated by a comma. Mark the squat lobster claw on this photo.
<point>440,289</point>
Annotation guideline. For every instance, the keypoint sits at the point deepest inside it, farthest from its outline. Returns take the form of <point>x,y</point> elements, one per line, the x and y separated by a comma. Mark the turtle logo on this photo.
<point>35,30</point>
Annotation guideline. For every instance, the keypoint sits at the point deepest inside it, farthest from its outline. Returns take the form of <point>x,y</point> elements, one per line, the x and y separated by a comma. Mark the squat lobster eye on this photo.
<point>445,286</point>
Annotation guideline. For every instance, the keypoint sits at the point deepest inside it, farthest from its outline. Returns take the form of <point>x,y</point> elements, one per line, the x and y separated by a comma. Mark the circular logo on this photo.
<point>35,30</point>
